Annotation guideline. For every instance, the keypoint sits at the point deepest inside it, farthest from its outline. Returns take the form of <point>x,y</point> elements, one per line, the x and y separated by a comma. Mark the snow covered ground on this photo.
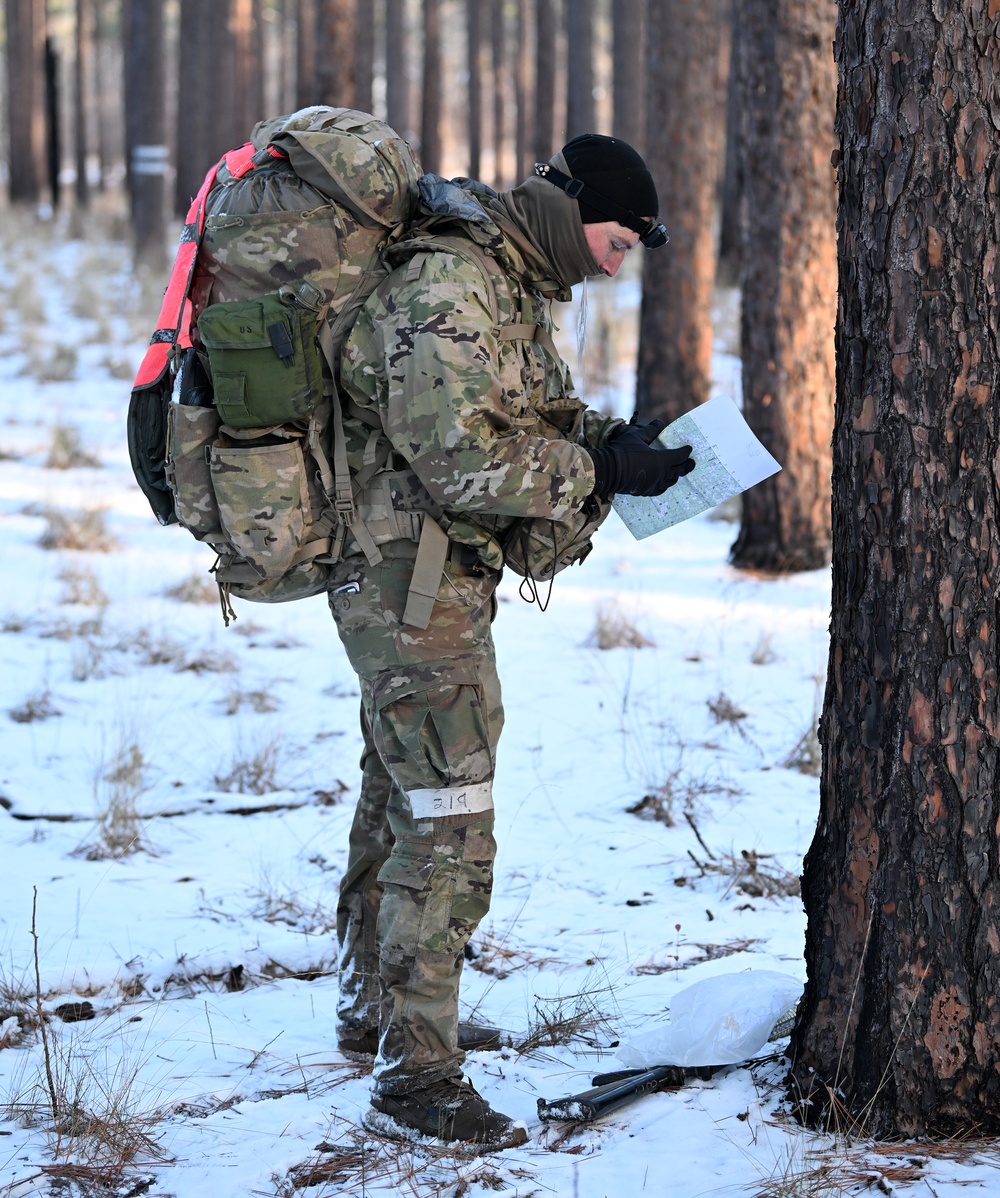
<point>208,1062</point>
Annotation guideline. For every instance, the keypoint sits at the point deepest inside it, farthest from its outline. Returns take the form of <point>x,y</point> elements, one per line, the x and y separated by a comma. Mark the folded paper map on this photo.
<point>728,457</point>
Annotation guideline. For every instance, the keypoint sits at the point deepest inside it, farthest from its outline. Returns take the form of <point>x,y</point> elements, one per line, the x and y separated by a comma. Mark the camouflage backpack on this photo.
<point>235,426</point>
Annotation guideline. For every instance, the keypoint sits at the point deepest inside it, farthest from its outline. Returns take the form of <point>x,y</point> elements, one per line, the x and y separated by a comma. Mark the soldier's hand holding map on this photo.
<point>631,464</point>
<point>729,459</point>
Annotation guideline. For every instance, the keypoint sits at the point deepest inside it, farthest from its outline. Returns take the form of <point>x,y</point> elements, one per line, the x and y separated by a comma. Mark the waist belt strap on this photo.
<point>432,553</point>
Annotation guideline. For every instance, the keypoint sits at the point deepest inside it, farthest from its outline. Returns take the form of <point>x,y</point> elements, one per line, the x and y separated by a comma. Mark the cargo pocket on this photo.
<point>263,502</point>
<point>432,733</point>
<point>190,433</point>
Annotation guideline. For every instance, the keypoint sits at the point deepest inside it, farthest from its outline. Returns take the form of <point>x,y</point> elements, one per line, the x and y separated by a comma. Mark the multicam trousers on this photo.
<point>420,870</point>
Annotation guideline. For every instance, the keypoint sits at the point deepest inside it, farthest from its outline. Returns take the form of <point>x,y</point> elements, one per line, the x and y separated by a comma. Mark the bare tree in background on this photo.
<point>397,83</point>
<point>501,91</point>
<point>546,33</point>
<point>522,91</point>
<point>627,66</point>
<point>305,53</point>
<point>474,63</point>
<point>26,98</point>
<point>81,99</point>
<point>685,118</point>
<point>364,54</point>
<point>899,1025</point>
<point>430,108</point>
<point>333,68</point>
<point>580,67</point>
<point>145,87</point>
<point>787,95</point>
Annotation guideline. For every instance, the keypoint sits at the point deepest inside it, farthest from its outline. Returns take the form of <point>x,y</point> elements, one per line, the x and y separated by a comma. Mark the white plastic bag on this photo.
<point>720,1021</point>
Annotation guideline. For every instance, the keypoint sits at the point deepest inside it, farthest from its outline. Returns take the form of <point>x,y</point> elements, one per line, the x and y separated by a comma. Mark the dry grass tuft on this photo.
<point>35,708</point>
<point>679,792</point>
<point>253,772</point>
<point>806,755</point>
<point>262,701</point>
<point>81,587</point>
<point>496,956</point>
<point>763,653</point>
<point>570,1018</point>
<point>66,450</point>
<point>614,630</point>
<point>726,711</point>
<point>196,588</point>
<point>120,828</point>
<point>86,531</point>
<point>756,875</point>
<point>706,952</point>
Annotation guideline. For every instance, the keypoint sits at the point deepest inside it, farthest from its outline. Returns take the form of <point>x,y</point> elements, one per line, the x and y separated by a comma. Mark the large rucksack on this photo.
<point>235,426</point>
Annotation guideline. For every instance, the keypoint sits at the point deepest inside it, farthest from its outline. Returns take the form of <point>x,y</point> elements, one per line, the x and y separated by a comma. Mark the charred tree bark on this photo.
<point>627,71</point>
<point>145,88</point>
<point>397,84</point>
<point>685,117</point>
<point>788,94</point>
<point>26,98</point>
<point>430,108</point>
<point>474,62</point>
<point>580,68</point>
<point>901,1015</point>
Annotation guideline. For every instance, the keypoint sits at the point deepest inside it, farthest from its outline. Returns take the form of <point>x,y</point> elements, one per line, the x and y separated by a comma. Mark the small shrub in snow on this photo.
<point>260,701</point>
<point>35,708</point>
<point>196,588</point>
<point>84,530</point>
<point>66,449</point>
<point>763,653</point>
<point>120,828</point>
<point>254,771</point>
<point>81,587</point>
<point>568,1018</point>
<point>614,630</point>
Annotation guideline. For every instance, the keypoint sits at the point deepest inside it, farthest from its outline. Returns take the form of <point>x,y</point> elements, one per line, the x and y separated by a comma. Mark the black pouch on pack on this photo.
<point>266,365</point>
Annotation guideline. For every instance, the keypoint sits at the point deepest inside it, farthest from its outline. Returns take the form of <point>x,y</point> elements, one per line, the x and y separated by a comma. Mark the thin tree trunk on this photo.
<point>522,91</point>
<point>501,92</point>
<point>901,1015</point>
<point>364,54</point>
<point>194,145</point>
<point>684,43</point>
<point>81,101</point>
<point>580,72</point>
<point>788,90</point>
<point>628,72</point>
<point>335,53</point>
<point>545,80</point>
<point>397,83</point>
<point>430,111</point>
<point>305,54</point>
<point>26,98</point>
<point>53,124</point>
<point>474,47</point>
<point>144,101</point>
<point>731,189</point>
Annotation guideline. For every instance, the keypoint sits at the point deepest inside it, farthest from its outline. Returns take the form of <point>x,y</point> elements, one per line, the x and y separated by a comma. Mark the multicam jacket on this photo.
<point>484,425</point>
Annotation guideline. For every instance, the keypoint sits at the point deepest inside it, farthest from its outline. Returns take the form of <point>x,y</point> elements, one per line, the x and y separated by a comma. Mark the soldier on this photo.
<point>451,360</point>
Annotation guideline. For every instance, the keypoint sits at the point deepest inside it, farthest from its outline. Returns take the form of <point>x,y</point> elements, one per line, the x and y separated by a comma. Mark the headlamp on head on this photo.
<point>651,233</point>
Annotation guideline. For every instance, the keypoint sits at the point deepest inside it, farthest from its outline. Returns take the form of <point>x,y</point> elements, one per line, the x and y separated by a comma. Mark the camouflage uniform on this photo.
<point>482,432</point>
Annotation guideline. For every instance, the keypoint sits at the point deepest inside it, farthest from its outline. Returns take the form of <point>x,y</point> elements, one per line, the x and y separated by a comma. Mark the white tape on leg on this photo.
<point>451,800</point>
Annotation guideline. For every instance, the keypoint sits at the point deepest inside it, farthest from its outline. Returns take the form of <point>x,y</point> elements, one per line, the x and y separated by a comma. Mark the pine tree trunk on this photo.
<point>145,80</point>
<point>474,63</point>
<point>787,94</point>
<point>580,70</point>
<point>53,124</point>
<point>430,109</point>
<point>501,94</point>
<point>334,64</point>
<point>731,192</point>
<point>685,117</point>
<point>397,83</point>
<point>26,98</point>
<point>627,71</point>
<point>194,150</point>
<point>81,100</point>
<point>901,1015</point>
<point>545,80</point>
<point>522,92</point>
<point>305,53</point>
<point>364,54</point>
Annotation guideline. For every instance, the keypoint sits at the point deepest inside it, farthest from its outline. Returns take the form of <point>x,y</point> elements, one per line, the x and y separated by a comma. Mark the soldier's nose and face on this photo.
<point>609,242</point>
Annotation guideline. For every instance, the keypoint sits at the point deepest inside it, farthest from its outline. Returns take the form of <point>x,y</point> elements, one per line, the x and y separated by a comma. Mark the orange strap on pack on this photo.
<point>174,322</point>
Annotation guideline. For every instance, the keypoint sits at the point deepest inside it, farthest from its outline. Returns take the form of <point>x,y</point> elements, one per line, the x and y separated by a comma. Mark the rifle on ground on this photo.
<point>612,1090</point>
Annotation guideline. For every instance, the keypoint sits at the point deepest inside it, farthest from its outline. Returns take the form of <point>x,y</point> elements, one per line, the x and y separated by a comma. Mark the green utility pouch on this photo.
<point>265,362</point>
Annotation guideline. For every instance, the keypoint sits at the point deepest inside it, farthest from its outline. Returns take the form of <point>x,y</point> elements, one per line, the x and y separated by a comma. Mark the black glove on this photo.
<point>636,434</point>
<point>637,468</point>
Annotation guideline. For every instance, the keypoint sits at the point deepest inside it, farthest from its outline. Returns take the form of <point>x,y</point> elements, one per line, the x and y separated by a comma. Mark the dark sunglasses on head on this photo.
<point>651,233</point>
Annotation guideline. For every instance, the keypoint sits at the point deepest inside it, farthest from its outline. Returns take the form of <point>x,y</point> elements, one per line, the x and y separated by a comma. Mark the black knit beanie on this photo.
<point>614,170</point>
